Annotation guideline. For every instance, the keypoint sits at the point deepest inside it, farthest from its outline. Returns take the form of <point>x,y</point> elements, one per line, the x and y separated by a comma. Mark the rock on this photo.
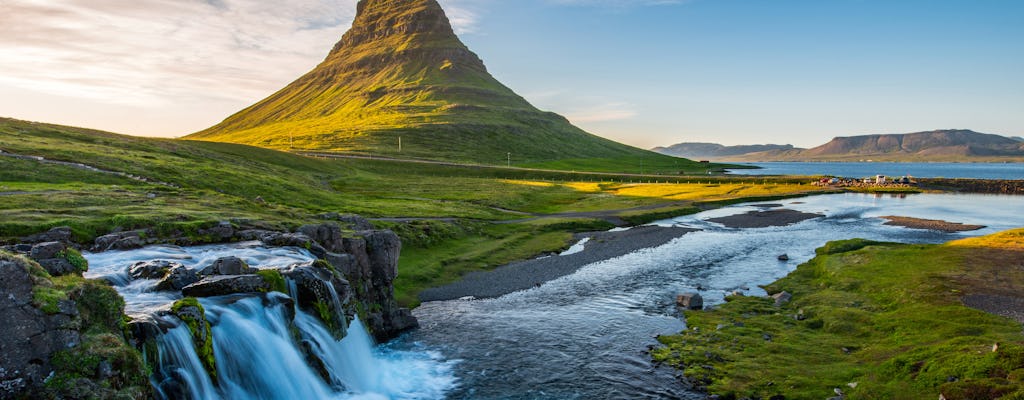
<point>356,222</point>
<point>28,336</point>
<point>223,231</point>
<point>328,235</point>
<point>690,301</point>
<point>59,234</point>
<point>156,269</point>
<point>295,240</point>
<point>782,298</point>
<point>47,250</point>
<point>226,284</point>
<point>321,291</point>
<point>784,257</point>
<point>119,241</point>
<point>383,248</point>
<point>227,266</point>
<point>53,256</point>
<point>177,278</point>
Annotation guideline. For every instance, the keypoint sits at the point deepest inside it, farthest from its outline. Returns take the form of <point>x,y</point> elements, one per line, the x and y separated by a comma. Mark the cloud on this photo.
<point>153,53</point>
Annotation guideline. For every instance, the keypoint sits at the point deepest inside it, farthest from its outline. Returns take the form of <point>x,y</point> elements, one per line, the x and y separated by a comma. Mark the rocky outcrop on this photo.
<point>63,342</point>
<point>369,262</point>
<point>156,269</point>
<point>120,241</point>
<point>177,278</point>
<point>28,336</point>
<point>321,290</point>
<point>59,234</point>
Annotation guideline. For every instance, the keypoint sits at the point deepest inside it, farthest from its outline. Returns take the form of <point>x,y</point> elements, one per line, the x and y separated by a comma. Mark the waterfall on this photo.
<point>259,357</point>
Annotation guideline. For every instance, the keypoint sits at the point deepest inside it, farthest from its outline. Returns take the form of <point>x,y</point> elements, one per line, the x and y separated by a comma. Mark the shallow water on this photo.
<point>584,336</point>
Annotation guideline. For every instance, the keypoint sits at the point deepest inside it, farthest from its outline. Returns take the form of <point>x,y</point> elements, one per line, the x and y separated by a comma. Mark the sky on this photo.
<point>643,72</point>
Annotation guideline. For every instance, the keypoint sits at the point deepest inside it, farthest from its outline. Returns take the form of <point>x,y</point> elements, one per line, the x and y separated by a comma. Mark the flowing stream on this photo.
<point>583,336</point>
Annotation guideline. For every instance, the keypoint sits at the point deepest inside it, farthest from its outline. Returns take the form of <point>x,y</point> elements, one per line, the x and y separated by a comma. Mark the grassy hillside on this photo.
<point>876,320</point>
<point>401,74</point>
<point>444,213</point>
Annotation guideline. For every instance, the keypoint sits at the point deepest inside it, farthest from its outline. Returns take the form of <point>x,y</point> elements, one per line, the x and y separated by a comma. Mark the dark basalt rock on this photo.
<point>156,269</point>
<point>59,234</point>
<point>52,256</point>
<point>227,266</point>
<point>226,284</point>
<point>119,241</point>
<point>177,278</point>
<point>28,336</point>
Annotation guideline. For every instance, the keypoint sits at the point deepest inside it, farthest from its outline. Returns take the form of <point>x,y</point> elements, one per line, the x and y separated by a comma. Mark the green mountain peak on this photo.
<point>401,74</point>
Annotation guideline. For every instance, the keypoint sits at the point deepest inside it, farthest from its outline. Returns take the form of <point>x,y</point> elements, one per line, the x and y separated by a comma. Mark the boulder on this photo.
<point>177,278</point>
<point>47,250</point>
<point>119,241</point>
<point>227,266</point>
<point>784,257</point>
<point>383,248</point>
<point>782,298</point>
<point>53,257</point>
<point>226,284</point>
<point>156,269</point>
<point>690,301</point>
<point>295,240</point>
<point>59,234</point>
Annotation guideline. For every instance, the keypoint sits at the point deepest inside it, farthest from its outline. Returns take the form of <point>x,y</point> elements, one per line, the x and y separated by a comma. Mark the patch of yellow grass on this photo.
<point>528,183</point>
<point>703,192</point>
<point>1011,240</point>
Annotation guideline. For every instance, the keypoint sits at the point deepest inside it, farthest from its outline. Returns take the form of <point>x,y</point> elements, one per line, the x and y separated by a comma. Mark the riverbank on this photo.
<point>871,320</point>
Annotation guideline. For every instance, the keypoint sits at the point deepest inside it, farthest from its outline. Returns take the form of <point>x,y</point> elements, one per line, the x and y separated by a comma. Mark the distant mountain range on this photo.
<point>710,151</point>
<point>939,145</point>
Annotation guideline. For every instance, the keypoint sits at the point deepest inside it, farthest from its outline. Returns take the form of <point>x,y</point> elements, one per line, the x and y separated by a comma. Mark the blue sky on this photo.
<point>642,72</point>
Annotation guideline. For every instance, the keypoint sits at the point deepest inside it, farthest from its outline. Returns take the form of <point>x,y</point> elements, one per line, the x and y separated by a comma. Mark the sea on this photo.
<point>870,169</point>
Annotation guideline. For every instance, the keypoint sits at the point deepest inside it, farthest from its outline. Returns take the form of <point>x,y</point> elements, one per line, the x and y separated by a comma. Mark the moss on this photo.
<point>75,258</point>
<point>192,313</point>
<point>47,298</point>
<point>128,371</point>
<point>100,306</point>
<point>323,310</point>
<point>845,246</point>
<point>274,278</point>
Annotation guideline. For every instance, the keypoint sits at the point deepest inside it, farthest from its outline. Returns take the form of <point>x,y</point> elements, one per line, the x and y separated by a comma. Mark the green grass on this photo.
<point>882,316</point>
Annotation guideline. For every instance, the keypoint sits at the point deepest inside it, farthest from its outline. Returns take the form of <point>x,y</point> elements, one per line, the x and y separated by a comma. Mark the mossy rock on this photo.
<point>192,313</point>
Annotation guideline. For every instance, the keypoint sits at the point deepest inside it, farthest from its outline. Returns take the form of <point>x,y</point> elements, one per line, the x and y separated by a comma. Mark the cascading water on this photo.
<point>265,347</point>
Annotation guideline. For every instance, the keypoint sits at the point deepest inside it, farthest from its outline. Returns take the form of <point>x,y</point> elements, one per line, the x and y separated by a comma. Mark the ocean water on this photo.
<point>868,169</point>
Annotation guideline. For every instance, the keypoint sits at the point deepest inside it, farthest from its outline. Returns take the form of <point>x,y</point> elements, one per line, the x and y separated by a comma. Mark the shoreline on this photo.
<point>522,275</point>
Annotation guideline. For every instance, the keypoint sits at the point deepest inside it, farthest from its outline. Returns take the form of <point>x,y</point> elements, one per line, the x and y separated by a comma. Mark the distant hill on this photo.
<point>940,145</point>
<point>401,75</point>
<point>714,151</point>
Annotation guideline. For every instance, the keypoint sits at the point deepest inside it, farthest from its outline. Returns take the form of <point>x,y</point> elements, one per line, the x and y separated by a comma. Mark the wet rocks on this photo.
<point>690,301</point>
<point>176,278</point>
<point>156,269</point>
<point>227,266</point>
<point>784,257</point>
<point>59,234</point>
<point>120,241</point>
<point>221,285</point>
<point>322,291</point>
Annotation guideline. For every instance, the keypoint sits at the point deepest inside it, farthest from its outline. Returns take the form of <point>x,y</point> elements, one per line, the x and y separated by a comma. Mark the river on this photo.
<point>584,336</point>
<point>870,169</point>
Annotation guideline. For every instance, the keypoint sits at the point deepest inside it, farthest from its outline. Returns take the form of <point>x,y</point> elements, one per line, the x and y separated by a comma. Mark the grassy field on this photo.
<point>212,182</point>
<point>877,320</point>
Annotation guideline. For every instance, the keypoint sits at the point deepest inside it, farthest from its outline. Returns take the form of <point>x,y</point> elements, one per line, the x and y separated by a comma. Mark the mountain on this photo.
<point>939,145</point>
<point>713,151</point>
<point>401,75</point>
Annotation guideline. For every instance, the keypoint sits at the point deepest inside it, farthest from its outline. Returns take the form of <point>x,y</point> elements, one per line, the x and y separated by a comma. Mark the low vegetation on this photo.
<point>874,320</point>
<point>452,218</point>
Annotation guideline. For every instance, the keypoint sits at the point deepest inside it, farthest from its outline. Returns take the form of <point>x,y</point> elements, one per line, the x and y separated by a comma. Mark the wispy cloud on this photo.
<point>160,52</point>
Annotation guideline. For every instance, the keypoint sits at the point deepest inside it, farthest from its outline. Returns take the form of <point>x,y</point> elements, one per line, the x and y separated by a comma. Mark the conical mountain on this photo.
<point>401,74</point>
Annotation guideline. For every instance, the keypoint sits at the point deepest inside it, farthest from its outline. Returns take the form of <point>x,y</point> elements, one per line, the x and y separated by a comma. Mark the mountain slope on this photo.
<point>939,145</point>
<point>401,75</point>
<point>712,151</point>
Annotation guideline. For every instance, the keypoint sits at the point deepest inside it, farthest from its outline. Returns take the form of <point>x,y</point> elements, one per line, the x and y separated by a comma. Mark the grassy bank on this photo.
<point>452,218</point>
<point>877,320</point>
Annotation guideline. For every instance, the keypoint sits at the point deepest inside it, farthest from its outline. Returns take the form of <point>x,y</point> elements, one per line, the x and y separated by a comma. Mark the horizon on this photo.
<point>868,69</point>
